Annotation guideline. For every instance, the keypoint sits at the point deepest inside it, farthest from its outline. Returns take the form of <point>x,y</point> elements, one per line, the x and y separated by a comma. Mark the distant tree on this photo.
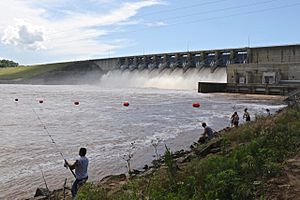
<point>8,63</point>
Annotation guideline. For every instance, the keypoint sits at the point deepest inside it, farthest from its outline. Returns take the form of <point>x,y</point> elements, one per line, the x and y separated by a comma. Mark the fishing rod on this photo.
<point>44,178</point>
<point>52,140</point>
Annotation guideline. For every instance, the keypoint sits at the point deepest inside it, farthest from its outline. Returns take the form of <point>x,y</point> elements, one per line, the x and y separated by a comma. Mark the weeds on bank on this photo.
<point>258,151</point>
<point>155,143</point>
<point>128,156</point>
<point>91,191</point>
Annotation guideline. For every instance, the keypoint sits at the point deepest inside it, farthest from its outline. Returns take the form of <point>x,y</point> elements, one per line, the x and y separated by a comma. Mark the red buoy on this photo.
<point>196,105</point>
<point>126,104</point>
<point>76,103</point>
<point>41,101</point>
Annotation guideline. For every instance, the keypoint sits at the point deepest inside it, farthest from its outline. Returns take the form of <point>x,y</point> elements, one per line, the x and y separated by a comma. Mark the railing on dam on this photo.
<point>185,60</point>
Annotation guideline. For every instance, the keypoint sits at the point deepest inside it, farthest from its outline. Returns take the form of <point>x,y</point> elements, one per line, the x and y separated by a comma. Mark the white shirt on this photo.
<point>81,168</point>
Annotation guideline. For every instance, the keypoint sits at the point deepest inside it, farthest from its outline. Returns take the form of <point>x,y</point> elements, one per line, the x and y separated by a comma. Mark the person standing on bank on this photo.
<point>235,120</point>
<point>246,115</point>
<point>81,170</point>
<point>268,112</point>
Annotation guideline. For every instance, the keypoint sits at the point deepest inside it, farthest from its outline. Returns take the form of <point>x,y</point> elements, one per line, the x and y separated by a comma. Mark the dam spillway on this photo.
<point>185,60</point>
<point>211,59</point>
<point>263,70</point>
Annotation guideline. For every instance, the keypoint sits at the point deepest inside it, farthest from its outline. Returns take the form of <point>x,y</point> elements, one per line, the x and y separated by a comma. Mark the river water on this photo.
<point>103,125</point>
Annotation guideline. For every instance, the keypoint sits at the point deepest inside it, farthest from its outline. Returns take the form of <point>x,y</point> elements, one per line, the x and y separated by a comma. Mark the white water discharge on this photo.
<point>166,79</point>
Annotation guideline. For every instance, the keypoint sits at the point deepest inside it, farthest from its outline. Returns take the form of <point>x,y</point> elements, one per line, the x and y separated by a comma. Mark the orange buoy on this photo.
<point>76,103</point>
<point>196,105</point>
<point>126,104</point>
<point>41,101</point>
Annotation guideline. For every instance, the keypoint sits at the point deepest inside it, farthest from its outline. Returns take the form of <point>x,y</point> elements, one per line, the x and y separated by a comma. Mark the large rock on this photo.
<point>214,146</point>
<point>42,192</point>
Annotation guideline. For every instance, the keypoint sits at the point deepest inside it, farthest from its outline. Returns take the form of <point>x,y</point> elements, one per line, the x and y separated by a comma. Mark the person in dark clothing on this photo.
<point>246,115</point>
<point>235,120</point>
<point>268,112</point>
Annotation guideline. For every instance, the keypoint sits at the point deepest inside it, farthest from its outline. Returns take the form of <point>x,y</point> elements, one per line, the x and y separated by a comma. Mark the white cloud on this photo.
<point>75,34</point>
<point>156,24</point>
<point>16,9</point>
<point>124,13</point>
<point>24,35</point>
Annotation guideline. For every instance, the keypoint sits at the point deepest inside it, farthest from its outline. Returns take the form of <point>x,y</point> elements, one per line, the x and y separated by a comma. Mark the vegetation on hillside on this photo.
<point>8,63</point>
<point>249,156</point>
<point>22,72</point>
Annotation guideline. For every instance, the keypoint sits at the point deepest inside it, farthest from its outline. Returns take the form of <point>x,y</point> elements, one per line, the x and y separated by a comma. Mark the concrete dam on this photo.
<point>211,59</point>
<point>261,70</point>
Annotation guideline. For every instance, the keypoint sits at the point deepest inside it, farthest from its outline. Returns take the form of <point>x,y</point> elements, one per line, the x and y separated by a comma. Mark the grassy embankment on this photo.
<point>248,158</point>
<point>27,72</point>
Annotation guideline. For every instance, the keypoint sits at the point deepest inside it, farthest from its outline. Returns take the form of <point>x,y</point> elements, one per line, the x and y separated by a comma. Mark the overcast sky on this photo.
<point>46,31</point>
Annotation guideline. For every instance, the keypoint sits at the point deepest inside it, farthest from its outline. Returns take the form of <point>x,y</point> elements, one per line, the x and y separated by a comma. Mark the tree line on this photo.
<point>8,63</point>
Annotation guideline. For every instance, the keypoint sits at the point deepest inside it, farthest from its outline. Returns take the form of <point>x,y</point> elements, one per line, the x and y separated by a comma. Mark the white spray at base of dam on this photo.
<point>166,79</point>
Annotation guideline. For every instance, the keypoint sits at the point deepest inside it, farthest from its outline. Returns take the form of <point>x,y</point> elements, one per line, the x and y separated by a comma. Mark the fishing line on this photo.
<point>52,140</point>
<point>48,133</point>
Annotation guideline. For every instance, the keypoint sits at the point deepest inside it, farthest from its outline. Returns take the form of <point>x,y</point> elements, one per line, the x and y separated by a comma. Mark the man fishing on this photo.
<point>81,167</point>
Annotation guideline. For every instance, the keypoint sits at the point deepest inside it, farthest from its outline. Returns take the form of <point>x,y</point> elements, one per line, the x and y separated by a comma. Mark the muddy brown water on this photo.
<point>104,126</point>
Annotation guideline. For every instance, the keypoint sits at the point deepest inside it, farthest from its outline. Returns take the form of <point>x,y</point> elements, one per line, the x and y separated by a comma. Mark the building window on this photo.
<point>242,80</point>
<point>268,78</point>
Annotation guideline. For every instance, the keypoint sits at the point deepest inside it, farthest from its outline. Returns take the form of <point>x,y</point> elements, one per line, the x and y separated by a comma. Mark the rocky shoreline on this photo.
<point>114,182</point>
<point>284,186</point>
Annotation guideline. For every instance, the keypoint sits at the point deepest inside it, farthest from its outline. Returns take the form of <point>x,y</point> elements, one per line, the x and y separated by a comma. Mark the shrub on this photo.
<point>91,192</point>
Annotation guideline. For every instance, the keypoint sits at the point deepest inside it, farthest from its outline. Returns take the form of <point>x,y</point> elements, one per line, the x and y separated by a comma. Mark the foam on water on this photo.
<point>166,79</point>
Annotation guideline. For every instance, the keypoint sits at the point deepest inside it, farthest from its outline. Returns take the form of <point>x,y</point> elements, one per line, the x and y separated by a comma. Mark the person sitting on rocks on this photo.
<point>207,134</point>
<point>81,173</point>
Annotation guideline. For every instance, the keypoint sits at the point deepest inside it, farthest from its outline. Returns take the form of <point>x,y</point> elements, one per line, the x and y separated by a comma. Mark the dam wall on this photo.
<point>283,60</point>
<point>267,70</point>
<point>275,54</point>
<point>106,64</point>
<point>211,59</point>
<point>270,70</point>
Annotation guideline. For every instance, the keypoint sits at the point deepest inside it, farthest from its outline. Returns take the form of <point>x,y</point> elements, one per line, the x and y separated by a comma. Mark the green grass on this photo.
<point>27,72</point>
<point>258,151</point>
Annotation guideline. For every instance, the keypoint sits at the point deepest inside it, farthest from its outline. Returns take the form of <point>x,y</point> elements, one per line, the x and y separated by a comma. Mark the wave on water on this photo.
<point>166,79</point>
